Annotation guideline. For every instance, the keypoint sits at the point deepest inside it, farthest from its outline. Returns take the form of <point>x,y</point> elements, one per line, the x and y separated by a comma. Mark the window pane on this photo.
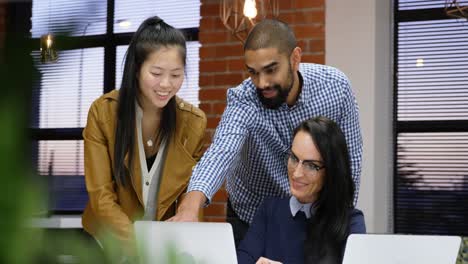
<point>190,88</point>
<point>432,183</point>
<point>60,157</point>
<point>423,4</point>
<point>432,70</point>
<point>61,164</point>
<point>179,14</point>
<point>67,88</point>
<point>75,18</point>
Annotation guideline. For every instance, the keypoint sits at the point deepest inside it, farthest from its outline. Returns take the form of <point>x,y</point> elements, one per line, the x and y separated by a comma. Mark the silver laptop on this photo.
<point>401,249</point>
<point>185,242</point>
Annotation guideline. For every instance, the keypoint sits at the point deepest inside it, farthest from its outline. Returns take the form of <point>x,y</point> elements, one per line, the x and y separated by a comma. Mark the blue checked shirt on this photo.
<point>251,141</point>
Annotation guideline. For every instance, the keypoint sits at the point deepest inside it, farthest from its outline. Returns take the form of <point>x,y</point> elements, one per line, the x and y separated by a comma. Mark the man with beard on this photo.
<point>255,132</point>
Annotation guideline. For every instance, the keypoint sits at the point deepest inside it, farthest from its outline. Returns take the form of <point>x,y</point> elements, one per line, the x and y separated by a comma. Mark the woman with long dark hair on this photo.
<point>141,141</point>
<point>313,224</point>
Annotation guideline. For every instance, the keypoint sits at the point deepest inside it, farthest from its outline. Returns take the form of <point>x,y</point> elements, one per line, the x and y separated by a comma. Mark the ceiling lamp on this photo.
<point>48,52</point>
<point>239,16</point>
<point>453,9</point>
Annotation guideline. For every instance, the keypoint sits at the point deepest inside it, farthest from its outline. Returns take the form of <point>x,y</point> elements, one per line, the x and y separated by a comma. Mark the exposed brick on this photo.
<point>228,79</point>
<point>212,94</point>
<point>309,3</point>
<point>316,45</point>
<point>209,9</point>
<point>320,59</point>
<point>286,17</point>
<point>309,17</point>
<point>207,23</point>
<point>299,16</point>
<point>309,31</point>
<point>218,219</point>
<point>236,65</point>
<point>218,23</point>
<point>205,107</point>
<point>205,80</point>
<point>208,136</point>
<point>234,50</point>
<point>286,4</point>
<point>213,66</point>
<point>214,37</point>
<point>220,196</point>
<point>210,1</point>
<point>218,108</point>
<point>212,122</point>
<point>304,45</point>
<point>207,52</point>
<point>215,209</point>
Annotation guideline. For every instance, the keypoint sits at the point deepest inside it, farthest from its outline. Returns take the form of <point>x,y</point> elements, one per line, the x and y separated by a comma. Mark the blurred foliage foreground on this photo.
<point>23,194</point>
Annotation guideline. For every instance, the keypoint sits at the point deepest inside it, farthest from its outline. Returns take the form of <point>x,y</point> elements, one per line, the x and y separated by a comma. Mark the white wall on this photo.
<point>359,42</point>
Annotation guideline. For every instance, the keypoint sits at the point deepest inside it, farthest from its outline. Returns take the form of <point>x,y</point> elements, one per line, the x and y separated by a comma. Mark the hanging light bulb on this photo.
<point>250,10</point>
<point>419,62</point>
<point>48,52</point>
<point>125,24</point>
<point>239,16</point>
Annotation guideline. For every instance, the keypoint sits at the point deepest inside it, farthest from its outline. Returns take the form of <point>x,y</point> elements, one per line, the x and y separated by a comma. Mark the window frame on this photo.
<point>109,41</point>
<point>413,126</point>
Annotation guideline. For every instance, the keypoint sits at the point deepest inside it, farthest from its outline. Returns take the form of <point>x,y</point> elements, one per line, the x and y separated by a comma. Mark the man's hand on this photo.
<point>263,260</point>
<point>189,207</point>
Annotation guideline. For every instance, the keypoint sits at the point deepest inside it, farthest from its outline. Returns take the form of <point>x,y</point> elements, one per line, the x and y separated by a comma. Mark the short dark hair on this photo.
<point>271,33</point>
<point>328,230</point>
<point>152,35</point>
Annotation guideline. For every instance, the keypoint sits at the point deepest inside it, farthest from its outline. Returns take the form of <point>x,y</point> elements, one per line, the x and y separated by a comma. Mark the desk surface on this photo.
<point>57,221</point>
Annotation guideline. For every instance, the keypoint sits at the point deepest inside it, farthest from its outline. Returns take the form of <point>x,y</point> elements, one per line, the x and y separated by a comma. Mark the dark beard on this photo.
<point>281,97</point>
<point>278,100</point>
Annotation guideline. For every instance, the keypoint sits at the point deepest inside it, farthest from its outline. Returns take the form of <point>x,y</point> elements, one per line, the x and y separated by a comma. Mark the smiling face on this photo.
<point>272,74</point>
<point>305,183</point>
<point>160,77</point>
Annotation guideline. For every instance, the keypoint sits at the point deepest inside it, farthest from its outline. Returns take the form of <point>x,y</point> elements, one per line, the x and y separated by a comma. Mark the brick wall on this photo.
<point>222,62</point>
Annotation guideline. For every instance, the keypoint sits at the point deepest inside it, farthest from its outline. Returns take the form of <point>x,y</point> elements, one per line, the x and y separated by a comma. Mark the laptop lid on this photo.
<point>185,242</point>
<point>392,249</point>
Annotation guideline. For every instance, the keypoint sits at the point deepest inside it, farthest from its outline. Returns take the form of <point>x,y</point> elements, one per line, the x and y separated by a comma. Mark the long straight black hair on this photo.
<point>328,229</point>
<point>152,35</point>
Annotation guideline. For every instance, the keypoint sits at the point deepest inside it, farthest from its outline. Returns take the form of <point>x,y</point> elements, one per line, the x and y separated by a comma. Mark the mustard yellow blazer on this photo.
<point>116,207</point>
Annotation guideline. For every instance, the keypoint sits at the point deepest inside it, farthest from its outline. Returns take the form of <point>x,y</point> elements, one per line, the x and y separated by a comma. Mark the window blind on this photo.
<point>432,187</point>
<point>431,152</point>
<point>67,88</point>
<point>68,17</point>
<point>425,4</point>
<point>61,165</point>
<point>64,91</point>
<point>433,70</point>
<point>179,14</point>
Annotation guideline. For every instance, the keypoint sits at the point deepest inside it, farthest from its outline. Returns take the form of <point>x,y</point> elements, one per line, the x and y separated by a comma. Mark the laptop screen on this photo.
<point>391,248</point>
<point>185,242</point>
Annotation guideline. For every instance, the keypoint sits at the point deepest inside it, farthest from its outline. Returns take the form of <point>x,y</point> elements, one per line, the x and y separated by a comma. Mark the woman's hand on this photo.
<point>263,260</point>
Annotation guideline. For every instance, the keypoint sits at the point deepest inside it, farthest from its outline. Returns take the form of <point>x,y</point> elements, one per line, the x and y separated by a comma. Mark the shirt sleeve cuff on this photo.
<point>201,188</point>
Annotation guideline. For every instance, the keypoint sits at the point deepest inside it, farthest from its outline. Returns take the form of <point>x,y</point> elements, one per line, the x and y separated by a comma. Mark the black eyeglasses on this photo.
<point>311,167</point>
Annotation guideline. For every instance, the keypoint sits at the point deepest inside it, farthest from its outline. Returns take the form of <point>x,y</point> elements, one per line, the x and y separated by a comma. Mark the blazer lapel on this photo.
<point>174,178</point>
<point>136,173</point>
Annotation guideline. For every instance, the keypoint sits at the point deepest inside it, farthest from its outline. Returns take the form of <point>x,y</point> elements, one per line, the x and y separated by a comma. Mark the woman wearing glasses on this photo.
<point>313,224</point>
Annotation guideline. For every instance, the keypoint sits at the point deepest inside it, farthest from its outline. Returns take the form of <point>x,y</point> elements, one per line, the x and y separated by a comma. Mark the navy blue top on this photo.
<point>278,235</point>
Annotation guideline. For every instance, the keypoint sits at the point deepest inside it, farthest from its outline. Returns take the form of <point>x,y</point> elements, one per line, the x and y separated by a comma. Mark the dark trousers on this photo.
<point>239,227</point>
